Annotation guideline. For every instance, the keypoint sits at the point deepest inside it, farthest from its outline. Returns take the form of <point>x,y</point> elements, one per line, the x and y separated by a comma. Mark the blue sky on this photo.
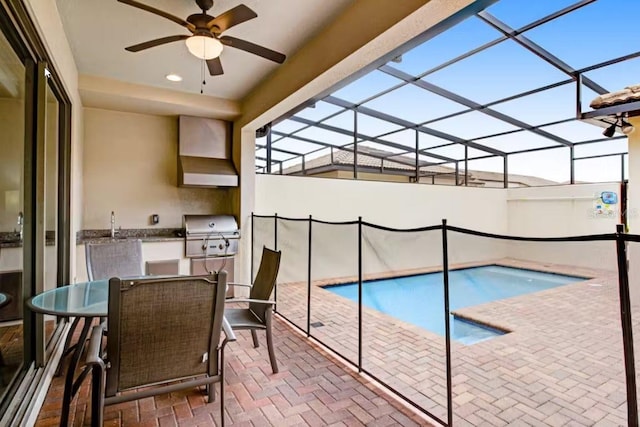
<point>587,36</point>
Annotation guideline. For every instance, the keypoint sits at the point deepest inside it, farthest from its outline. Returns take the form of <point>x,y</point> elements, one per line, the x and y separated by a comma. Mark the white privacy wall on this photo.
<point>566,210</point>
<point>397,205</point>
<point>556,211</point>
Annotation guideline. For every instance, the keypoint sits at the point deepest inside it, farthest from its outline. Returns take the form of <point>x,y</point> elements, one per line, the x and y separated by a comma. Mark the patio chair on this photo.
<point>161,330</point>
<point>259,311</point>
<point>104,261</point>
<point>114,259</point>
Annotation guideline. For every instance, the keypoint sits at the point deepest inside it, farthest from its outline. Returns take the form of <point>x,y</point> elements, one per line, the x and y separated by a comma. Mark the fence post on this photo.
<point>252,246</point>
<point>309,284</point>
<point>447,326</point>
<point>275,248</point>
<point>627,327</point>
<point>359,294</point>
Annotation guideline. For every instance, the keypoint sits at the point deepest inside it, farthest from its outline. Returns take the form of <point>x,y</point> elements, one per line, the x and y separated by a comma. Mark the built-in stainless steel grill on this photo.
<point>210,235</point>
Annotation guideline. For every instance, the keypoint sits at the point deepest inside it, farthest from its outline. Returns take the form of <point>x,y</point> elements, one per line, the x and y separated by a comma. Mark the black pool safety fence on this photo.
<point>501,328</point>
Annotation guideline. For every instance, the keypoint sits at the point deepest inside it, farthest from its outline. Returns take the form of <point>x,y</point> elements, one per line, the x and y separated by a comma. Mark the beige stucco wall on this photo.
<point>11,161</point>
<point>372,176</point>
<point>554,211</point>
<point>387,203</point>
<point>397,205</point>
<point>564,210</point>
<point>634,210</point>
<point>130,167</point>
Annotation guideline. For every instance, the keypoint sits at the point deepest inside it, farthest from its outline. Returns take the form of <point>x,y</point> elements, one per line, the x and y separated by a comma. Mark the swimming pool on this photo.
<point>420,299</point>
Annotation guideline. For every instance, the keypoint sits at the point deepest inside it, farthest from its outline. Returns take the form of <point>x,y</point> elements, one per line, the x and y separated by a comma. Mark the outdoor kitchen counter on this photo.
<point>161,248</point>
<point>12,239</point>
<point>158,246</point>
<point>144,234</point>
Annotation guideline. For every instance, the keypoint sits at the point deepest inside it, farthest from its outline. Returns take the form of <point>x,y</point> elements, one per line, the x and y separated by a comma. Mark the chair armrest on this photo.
<point>256,301</point>
<point>239,284</point>
<point>228,330</point>
<point>95,346</point>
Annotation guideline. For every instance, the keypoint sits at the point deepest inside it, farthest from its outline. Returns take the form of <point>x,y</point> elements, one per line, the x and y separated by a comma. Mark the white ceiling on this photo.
<point>99,30</point>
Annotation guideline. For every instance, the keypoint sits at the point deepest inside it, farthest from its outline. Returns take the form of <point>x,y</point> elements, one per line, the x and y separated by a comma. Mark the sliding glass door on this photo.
<point>35,118</point>
<point>12,192</point>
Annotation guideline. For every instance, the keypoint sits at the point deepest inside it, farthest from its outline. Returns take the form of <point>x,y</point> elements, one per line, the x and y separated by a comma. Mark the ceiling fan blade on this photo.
<point>231,17</point>
<point>156,42</point>
<point>215,66</point>
<point>159,12</point>
<point>253,48</point>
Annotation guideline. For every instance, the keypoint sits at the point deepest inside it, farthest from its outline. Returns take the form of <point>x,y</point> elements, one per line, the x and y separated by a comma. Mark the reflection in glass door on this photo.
<point>12,137</point>
<point>51,205</point>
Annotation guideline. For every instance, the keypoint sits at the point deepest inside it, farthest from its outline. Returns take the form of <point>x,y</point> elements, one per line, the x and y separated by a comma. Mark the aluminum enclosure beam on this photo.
<point>407,124</point>
<point>474,106</point>
<point>537,50</point>
<point>361,136</point>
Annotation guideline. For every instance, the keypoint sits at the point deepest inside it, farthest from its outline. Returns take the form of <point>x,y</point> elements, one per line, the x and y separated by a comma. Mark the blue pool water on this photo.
<point>420,299</point>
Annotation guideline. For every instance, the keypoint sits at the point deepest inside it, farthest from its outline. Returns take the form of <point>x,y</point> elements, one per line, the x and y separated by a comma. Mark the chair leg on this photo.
<point>211,392</point>
<point>254,335</point>
<point>97,396</point>
<point>221,400</point>
<point>67,344</point>
<point>224,344</point>
<point>272,355</point>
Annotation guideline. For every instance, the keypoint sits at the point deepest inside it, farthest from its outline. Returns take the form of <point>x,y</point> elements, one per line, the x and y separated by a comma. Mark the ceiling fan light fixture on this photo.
<point>204,47</point>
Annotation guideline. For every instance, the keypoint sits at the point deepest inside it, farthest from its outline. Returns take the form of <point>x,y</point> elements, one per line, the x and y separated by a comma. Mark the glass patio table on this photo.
<point>4,299</point>
<point>86,301</point>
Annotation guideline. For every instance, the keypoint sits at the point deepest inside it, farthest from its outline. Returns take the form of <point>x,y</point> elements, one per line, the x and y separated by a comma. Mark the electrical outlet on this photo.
<point>155,218</point>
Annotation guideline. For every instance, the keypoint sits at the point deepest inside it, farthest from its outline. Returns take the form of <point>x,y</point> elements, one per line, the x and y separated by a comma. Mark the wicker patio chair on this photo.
<point>259,311</point>
<point>114,259</point>
<point>161,330</point>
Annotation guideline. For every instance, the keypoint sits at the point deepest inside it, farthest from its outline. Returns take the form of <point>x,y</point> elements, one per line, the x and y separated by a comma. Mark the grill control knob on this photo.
<point>221,246</point>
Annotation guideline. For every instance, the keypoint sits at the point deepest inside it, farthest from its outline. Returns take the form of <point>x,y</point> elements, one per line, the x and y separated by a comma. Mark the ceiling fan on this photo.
<point>206,41</point>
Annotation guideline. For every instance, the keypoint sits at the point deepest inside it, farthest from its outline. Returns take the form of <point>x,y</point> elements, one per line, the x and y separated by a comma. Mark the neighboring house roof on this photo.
<point>372,158</point>
<point>369,158</point>
<point>628,94</point>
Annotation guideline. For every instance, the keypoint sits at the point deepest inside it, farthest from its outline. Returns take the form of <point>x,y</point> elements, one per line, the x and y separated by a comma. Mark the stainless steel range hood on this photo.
<point>204,153</point>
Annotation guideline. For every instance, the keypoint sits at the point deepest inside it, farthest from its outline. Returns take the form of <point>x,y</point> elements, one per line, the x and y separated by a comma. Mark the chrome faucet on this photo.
<point>21,225</point>
<point>113,225</point>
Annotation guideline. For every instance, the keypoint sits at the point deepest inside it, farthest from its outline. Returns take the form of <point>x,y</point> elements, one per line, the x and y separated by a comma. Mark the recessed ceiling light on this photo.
<point>173,78</point>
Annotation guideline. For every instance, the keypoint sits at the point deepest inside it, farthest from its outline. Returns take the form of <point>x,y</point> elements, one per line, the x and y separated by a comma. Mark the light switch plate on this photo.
<point>155,219</point>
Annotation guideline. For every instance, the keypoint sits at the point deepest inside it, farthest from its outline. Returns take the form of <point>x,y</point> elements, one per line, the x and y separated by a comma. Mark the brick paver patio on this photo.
<point>561,364</point>
<point>312,389</point>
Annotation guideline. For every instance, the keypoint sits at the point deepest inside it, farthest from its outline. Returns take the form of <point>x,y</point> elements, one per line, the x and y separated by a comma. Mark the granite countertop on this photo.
<point>11,239</point>
<point>144,234</point>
